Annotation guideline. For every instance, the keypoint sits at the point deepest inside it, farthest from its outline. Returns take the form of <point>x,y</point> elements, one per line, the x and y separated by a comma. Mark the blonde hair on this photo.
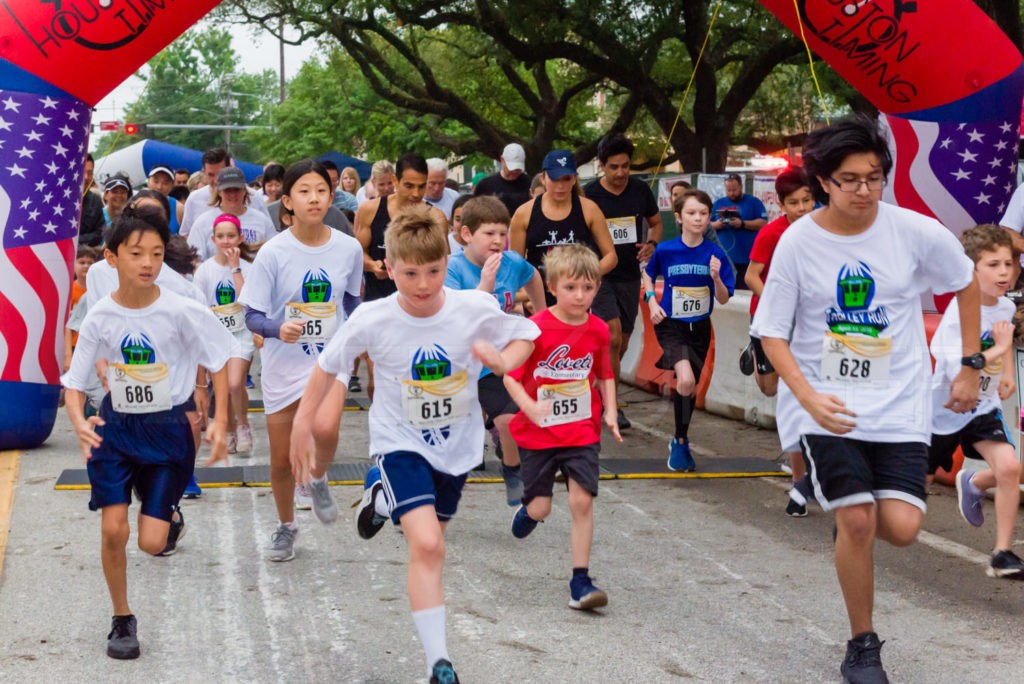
<point>571,261</point>
<point>984,238</point>
<point>382,169</point>
<point>349,172</point>
<point>415,236</point>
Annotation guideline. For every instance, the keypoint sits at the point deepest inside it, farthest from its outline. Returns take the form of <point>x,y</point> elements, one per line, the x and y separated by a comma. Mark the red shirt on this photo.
<point>764,246</point>
<point>563,353</point>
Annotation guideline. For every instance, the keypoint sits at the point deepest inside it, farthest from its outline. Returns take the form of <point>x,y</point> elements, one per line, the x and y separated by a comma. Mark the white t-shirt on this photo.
<point>446,202</point>
<point>101,279</point>
<point>858,297</point>
<point>947,348</point>
<point>1014,216</point>
<point>173,329</point>
<point>453,245</point>
<point>405,348</point>
<point>256,228</point>
<point>217,283</point>
<point>198,203</point>
<point>285,271</point>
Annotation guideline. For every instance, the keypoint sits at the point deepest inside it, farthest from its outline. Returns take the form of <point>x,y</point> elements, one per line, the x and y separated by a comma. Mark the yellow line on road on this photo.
<point>10,461</point>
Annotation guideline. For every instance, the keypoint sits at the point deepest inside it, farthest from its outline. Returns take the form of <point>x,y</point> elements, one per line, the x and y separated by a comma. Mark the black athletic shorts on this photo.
<point>683,340</point>
<point>494,398</point>
<point>538,468</point>
<point>764,366</point>
<point>986,427</point>
<point>618,299</point>
<point>848,472</point>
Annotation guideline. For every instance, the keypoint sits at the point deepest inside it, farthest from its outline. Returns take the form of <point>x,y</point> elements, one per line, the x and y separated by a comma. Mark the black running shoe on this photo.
<point>1006,565</point>
<point>624,423</point>
<point>747,360</point>
<point>354,385</point>
<point>795,510</point>
<point>122,642</point>
<point>174,534</point>
<point>863,662</point>
<point>443,673</point>
<point>368,521</point>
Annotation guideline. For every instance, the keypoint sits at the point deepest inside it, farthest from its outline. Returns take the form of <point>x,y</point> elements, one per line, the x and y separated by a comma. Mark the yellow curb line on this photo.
<point>10,463</point>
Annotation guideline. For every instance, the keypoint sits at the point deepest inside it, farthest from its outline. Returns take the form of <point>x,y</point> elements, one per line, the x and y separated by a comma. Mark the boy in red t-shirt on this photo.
<point>562,390</point>
<point>795,198</point>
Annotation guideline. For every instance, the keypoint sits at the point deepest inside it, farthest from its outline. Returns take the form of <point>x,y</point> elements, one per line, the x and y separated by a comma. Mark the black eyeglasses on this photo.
<point>873,184</point>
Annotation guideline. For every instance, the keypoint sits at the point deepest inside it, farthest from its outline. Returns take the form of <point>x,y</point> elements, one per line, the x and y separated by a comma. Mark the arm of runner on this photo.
<point>1007,383</point>
<point>302,445</point>
<point>602,237</point>
<point>753,278</point>
<point>363,218</point>
<point>753,224</point>
<point>512,356</point>
<point>517,229</point>
<point>536,411</point>
<point>202,395</point>
<point>721,290</point>
<point>826,409</point>
<point>217,429</point>
<point>606,388</point>
<point>85,428</point>
<point>963,392</point>
<point>657,313</point>
<point>654,229</point>
<point>535,291</point>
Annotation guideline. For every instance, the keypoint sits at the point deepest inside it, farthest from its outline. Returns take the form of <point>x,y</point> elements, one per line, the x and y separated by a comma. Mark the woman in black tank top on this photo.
<point>377,288</point>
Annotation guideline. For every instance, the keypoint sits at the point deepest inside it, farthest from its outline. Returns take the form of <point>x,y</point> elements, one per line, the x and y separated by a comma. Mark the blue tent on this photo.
<point>342,160</point>
<point>136,161</point>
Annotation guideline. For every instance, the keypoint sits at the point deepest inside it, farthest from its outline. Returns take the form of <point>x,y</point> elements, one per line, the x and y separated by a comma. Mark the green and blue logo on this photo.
<point>225,293</point>
<point>316,287</point>
<point>855,291</point>
<point>137,350</point>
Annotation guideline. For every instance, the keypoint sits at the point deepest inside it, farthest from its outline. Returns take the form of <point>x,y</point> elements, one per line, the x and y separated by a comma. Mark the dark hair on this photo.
<point>679,202</point>
<point>680,184</point>
<point>218,155</point>
<point>451,183</point>
<point>297,171</point>
<point>460,202</point>
<point>88,157</point>
<point>137,220</point>
<point>825,149</point>
<point>329,165</point>
<point>182,170</point>
<point>789,181</point>
<point>85,251</point>
<point>180,256</point>
<point>273,172</point>
<point>410,160</point>
<point>179,192</point>
<point>146,193</point>
<point>614,144</point>
<point>484,209</point>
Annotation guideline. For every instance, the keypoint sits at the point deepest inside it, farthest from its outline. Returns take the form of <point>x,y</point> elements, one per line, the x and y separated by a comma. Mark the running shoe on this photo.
<point>123,642</point>
<point>244,439</point>
<point>1006,565</point>
<point>969,498</point>
<point>282,543</point>
<point>192,490</point>
<point>354,385</point>
<point>443,673</point>
<point>782,460</point>
<point>324,507</point>
<point>863,662</point>
<point>303,497</point>
<point>249,384</point>
<point>679,457</point>
<point>624,423</point>
<point>368,521</point>
<point>522,523</point>
<point>513,484</point>
<point>747,360</point>
<point>174,534</point>
<point>583,595</point>
<point>796,510</point>
<point>232,441</point>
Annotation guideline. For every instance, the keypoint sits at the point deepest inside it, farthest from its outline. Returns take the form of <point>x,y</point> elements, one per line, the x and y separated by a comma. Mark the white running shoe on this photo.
<point>232,442</point>
<point>303,497</point>
<point>244,439</point>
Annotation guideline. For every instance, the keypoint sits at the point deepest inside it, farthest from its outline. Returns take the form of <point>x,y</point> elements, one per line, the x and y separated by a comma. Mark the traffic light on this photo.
<point>134,129</point>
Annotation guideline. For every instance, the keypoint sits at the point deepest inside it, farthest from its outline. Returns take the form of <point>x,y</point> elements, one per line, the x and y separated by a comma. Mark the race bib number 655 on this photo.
<point>570,402</point>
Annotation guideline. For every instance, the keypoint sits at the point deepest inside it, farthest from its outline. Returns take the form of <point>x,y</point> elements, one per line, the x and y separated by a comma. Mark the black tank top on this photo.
<point>542,233</point>
<point>376,288</point>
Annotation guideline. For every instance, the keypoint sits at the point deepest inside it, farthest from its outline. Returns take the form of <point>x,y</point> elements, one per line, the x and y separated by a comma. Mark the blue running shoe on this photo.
<point>583,595</point>
<point>443,673</point>
<point>249,384</point>
<point>679,458</point>
<point>192,490</point>
<point>522,523</point>
<point>970,498</point>
<point>368,521</point>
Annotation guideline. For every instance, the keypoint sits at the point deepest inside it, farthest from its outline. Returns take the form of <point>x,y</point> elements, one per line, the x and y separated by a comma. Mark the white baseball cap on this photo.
<point>514,157</point>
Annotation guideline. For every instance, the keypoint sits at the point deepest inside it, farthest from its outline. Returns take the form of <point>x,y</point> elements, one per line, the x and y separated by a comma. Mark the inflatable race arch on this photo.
<point>948,82</point>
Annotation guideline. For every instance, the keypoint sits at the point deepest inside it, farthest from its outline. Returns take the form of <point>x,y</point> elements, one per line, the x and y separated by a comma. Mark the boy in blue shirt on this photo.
<point>485,264</point>
<point>696,273</point>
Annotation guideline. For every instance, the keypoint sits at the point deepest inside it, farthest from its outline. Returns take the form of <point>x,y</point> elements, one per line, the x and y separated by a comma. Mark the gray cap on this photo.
<point>230,177</point>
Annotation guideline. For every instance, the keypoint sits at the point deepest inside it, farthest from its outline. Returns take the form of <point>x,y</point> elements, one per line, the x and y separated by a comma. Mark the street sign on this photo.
<point>110,125</point>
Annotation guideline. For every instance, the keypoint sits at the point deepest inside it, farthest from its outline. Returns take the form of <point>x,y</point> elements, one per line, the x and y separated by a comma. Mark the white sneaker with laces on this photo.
<point>303,497</point>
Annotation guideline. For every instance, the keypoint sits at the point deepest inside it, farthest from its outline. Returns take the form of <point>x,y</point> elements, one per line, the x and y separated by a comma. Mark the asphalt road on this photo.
<point>707,581</point>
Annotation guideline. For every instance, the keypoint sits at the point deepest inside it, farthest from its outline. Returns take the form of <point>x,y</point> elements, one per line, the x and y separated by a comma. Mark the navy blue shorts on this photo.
<point>152,453</point>
<point>409,482</point>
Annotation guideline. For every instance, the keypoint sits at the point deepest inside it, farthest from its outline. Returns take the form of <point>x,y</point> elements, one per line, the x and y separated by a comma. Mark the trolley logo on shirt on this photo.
<point>225,293</point>
<point>560,366</point>
<point>137,350</point>
<point>855,290</point>
<point>316,287</point>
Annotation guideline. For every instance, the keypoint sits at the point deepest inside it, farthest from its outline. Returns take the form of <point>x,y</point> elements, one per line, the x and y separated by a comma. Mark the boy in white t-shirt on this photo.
<point>840,320</point>
<point>153,342</point>
<point>428,344</point>
<point>982,433</point>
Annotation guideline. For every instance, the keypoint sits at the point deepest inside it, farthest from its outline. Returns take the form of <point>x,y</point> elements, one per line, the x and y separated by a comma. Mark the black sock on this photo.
<point>576,572</point>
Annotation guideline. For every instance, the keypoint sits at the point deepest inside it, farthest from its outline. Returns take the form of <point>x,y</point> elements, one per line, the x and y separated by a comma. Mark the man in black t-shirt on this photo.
<point>626,203</point>
<point>510,185</point>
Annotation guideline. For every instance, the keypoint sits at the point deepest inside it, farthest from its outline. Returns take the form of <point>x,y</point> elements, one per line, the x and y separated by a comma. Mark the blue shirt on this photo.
<point>739,241</point>
<point>683,266</point>
<point>345,200</point>
<point>174,216</point>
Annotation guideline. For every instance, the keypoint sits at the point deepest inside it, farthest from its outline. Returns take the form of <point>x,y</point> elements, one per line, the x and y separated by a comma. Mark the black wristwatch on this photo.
<point>652,243</point>
<point>975,361</point>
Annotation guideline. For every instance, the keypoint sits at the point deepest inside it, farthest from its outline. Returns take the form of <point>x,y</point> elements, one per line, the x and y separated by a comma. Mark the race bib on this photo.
<point>690,302</point>
<point>988,380</point>
<point>230,316</point>
<point>144,388</point>
<point>623,230</point>
<point>570,402</point>
<point>435,403</point>
<point>319,320</point>
<point>856,360</point>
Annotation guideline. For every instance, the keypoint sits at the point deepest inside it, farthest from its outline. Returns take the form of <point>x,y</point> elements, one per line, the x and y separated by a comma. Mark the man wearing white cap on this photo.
<point>510,185</point>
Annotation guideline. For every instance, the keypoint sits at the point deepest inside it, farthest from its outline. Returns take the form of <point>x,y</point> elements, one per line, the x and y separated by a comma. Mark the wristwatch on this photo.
<point>647,296</point>
<point>975,361</point>
<point>652,243</point>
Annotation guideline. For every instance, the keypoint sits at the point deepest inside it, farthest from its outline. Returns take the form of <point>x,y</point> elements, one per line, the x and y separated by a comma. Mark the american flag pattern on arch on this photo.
<point>42,149</point>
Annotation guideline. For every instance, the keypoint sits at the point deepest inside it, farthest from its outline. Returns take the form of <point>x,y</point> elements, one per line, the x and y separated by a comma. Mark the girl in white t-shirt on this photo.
<point>301,286</point>
<point>220,280</point>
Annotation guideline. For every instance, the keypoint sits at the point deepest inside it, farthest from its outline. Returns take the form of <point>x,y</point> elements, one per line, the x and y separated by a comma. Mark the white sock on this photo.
<point>290,525</point>
<point>430,625</point>
<point>318,480</point>
<point>380,506</point>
